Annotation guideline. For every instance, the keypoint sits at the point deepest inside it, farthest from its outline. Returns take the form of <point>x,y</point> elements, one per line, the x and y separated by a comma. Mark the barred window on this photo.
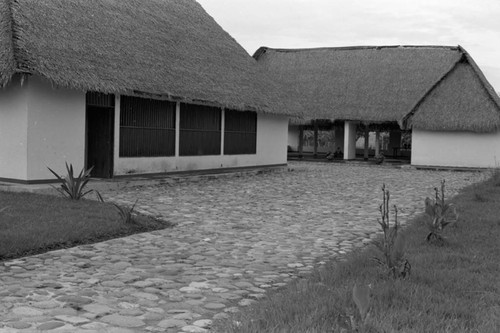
<point>200,130</point>
<point>147,127</point>
<point>240,132</point>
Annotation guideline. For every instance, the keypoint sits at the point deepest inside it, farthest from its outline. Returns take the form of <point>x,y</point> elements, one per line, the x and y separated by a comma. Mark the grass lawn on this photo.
<point>35,223</point>
<point>453,287</point>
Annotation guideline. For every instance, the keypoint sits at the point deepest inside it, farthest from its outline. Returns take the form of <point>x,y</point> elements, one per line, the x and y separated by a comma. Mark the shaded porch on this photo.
<point>320,139</point>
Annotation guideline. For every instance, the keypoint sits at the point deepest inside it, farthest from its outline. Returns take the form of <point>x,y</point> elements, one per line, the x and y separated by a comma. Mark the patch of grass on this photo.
<point>35,223</point>
<point>454,286</point>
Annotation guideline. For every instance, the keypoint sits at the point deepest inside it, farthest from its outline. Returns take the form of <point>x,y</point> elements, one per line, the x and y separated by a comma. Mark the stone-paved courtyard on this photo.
<point>236,237</point>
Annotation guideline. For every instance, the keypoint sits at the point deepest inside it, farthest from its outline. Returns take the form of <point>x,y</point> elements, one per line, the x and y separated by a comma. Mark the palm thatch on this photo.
<point>461,100</point>
<point>376,83</point>
<point>171,48</point>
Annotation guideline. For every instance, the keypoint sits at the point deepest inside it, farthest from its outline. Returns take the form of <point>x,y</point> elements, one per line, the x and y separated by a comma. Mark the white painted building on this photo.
<point>437,92</point>
<point>116,99</point>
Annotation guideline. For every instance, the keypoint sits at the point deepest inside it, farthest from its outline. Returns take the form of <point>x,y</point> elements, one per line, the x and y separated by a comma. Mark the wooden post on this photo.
<point>367,142</point>
<point>177,127</point>
<point>377,143</point>
<point>222,130</point>
<point>315,139</point>
<point>350,140</point>
<point>301,141</point>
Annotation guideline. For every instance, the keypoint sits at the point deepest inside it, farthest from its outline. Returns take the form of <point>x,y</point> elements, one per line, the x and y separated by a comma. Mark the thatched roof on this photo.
<point>383,84</point>
<point>462,100</point>
<point>171,48</point>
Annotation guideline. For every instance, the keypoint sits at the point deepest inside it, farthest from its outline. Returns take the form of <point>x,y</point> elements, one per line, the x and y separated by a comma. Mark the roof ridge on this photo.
<point>262,49</point>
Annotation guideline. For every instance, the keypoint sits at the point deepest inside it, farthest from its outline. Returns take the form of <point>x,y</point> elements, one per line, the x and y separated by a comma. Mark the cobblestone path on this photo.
<point>235,238</point>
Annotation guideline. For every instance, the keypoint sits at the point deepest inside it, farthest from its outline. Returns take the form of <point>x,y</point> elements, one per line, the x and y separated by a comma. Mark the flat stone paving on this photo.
<point>237,236</point>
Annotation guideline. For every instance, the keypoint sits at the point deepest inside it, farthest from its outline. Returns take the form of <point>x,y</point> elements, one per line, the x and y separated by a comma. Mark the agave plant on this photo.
<point>439,214</point>
<point>393,244</point>
<point>126,212</point>
<point>71,186</point>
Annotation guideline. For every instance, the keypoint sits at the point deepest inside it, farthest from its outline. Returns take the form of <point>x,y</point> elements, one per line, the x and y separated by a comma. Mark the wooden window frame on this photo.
<point>240,132</point>
<point>147,127</point>
<point>199,130</point>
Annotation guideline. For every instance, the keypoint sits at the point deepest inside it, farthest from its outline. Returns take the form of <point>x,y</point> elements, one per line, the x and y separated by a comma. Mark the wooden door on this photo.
<point>100,139</point>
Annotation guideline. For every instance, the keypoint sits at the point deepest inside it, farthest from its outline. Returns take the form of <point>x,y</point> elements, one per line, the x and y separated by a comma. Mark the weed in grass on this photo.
<point>496,176</point>
<point>126,213</point>
<point>478,196</point>
<point>393,244</point>
<point>362,297</point>
<point>71,186</point>
<point>99,196</point>
<point>439,215</point>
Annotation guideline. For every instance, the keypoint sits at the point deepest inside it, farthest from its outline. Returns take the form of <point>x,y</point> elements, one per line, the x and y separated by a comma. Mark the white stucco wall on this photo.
<point>456,149</point>
<point>271,149</point>
<point>56,129</point>
<point>13,130</point>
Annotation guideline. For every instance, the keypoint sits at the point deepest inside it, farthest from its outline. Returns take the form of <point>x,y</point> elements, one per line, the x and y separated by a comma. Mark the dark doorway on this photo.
<point>100,136</point>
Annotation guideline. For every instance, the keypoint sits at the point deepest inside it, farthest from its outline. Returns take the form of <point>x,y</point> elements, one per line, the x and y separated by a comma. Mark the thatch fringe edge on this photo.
<point>163,96</point>
<point>8,27</point>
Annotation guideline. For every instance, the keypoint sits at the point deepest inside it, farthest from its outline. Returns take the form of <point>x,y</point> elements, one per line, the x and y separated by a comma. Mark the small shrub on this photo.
<point>479,196</point>
<point>362,298</point>
<point>126,213</point>
<point>439,215</point>
<point>393,244</point>
<point>71,186</point>
<point>496,176</point>
<point>380,158</point>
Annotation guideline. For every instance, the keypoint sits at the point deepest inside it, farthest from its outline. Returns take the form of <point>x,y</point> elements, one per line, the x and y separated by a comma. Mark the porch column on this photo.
<point>116,150</point>
<point>377,142</point>
<point>367,143</point>
<point>315,154</point>
<point>177,127</point>
<point>350,140</point>
<point>222,129</point>
<point>394,142</point>
<point>301,141</point>
<point>339,137</point>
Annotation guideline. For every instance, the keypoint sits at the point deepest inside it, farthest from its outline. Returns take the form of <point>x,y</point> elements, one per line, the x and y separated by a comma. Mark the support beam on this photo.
<point>316,130</point>
<point>377,143</point>
<point>222,130</point>
<point>350,140</point>
<point>367,143</point>
<point>301,141</point>
<point>177,127</point>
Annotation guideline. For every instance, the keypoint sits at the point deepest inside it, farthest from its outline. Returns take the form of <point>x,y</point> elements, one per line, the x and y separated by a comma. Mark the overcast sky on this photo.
<point>473,24</point>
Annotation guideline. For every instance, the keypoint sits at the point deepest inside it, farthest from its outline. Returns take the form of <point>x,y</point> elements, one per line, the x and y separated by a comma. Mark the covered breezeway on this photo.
<point>318,139</point>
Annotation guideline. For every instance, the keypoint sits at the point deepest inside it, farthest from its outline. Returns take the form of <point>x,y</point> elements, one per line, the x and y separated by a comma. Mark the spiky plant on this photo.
<point>71,186</point>
<point>439,214</point>
<point>393,244</point>
<point>126,213</point>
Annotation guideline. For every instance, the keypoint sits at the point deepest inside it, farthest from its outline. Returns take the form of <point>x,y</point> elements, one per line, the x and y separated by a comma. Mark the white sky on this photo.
<point>473,24</point>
